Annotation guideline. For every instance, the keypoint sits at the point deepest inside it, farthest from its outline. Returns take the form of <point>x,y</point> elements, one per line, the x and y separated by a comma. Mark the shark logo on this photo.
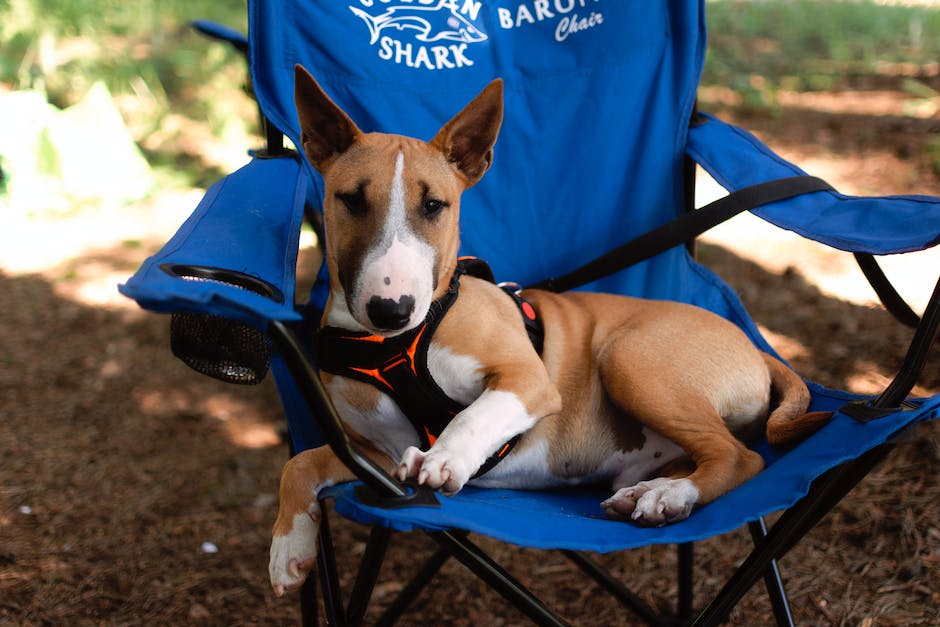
<point>440,33</point>
<point>431,23</point>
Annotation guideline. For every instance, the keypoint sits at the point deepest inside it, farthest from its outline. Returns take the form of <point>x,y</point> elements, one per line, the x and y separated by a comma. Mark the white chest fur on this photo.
<point>457,375</point>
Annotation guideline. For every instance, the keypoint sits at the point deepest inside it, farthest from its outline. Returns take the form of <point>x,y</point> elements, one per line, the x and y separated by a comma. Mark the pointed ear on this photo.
<point>467,140</point>
<point>325,130</point>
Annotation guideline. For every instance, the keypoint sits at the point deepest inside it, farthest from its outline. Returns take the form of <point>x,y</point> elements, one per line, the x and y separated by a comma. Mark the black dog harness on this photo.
<point>398,366</point>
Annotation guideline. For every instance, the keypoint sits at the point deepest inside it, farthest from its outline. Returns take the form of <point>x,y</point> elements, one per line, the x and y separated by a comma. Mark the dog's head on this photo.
<point>392,203</point>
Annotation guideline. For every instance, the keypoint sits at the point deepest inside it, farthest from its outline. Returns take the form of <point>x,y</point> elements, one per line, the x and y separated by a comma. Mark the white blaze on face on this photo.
<point>401,264</point>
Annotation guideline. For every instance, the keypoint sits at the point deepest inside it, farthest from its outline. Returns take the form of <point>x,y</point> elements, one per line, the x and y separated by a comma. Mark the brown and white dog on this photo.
<point>643,394</point>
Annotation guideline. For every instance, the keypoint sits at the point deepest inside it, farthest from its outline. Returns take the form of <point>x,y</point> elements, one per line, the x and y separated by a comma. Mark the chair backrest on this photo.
<point>598,98</point>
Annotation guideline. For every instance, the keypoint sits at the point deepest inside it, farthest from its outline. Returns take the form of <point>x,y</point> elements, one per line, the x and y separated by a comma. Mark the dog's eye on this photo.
<point>431,207</point>
<point>355,202</point>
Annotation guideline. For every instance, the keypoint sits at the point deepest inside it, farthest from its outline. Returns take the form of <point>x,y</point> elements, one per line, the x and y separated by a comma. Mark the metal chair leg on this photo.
<point>490,572</point>
<point>410,592</point>
<point>368,574</point>
<point>775,589</point>
<point>796,522</point>
<point>686,563</point>
<point>626,597</point>
<point>308,602</point>
<point>329,578</point>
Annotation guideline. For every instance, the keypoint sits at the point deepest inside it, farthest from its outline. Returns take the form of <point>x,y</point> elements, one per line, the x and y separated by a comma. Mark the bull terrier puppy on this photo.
<point>647,396</point>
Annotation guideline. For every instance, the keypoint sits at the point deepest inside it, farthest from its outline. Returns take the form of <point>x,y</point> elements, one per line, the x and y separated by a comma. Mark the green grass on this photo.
<point>815,44</point>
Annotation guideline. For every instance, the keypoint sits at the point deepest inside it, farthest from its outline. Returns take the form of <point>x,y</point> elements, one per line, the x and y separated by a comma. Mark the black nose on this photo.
<point>390,315</point>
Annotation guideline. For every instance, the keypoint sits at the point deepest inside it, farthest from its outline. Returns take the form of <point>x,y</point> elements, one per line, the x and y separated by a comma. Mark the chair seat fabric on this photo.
<point>574,519</point>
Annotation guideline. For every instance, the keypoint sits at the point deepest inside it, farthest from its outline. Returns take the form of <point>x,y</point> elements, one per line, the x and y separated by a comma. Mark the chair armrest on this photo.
<point>874,225</point>
<point>236,255</point>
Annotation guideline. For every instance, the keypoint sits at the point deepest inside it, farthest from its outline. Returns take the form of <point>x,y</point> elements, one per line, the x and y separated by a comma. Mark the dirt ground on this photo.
<point>134,491</point>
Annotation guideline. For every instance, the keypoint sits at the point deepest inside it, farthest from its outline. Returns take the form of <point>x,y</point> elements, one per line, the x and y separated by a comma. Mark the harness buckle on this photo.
<point>510,286</point>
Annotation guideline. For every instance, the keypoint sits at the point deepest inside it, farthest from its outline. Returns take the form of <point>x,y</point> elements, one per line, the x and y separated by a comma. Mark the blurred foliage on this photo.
<point>67,45</point>
<point>933,150</point>
<point>144,51</point>
<point>757,47</point>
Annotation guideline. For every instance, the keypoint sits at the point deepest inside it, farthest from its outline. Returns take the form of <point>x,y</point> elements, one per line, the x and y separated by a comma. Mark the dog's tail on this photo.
<point>789,422</point>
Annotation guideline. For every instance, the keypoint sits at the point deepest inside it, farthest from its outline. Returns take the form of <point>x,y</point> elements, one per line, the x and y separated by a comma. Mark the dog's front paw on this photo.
<point>294,552</point>
<point>653,503</point>
<point>411,462</point>
<point>437,469</point>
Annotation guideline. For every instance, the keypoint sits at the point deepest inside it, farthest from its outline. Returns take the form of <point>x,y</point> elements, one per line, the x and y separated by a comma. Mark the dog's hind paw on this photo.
<point>293,554</point>
<point>653,503</point>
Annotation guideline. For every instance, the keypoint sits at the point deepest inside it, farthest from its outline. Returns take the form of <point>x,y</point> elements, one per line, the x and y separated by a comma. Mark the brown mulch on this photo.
<point>133,491</point>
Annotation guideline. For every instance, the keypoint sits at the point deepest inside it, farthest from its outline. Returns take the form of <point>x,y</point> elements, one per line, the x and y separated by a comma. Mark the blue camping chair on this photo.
<point>595,155</point>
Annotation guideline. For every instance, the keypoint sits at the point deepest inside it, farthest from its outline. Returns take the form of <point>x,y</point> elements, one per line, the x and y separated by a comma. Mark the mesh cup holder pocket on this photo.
<point>215,346</point>
<point>220,348</point>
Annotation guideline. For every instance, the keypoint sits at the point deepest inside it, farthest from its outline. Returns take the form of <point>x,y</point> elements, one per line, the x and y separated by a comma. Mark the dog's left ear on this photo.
<point>468,139</point>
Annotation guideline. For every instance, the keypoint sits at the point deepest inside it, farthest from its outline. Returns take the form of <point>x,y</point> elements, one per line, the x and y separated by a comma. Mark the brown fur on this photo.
<point>308,471</point>
<point>788,423</point>
<point>345,249</point>
<point>619,360</point>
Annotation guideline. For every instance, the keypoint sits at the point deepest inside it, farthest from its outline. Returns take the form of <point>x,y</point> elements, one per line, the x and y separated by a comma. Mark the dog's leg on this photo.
<point>474,434</point>
<point>664,491</point>
<point>516,397</point>
<point>674,408</point>
<point>294,539</point>
<point>721,464</point>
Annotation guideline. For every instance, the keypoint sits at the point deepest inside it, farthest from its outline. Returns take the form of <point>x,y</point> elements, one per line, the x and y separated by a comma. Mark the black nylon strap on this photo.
<point>683,229</point>
<point>396,365</point>
<point>885,291</point>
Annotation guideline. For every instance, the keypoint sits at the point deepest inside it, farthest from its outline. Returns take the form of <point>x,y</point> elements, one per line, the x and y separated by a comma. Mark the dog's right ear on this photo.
<point>325,130</point>
<point>468,139</point>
